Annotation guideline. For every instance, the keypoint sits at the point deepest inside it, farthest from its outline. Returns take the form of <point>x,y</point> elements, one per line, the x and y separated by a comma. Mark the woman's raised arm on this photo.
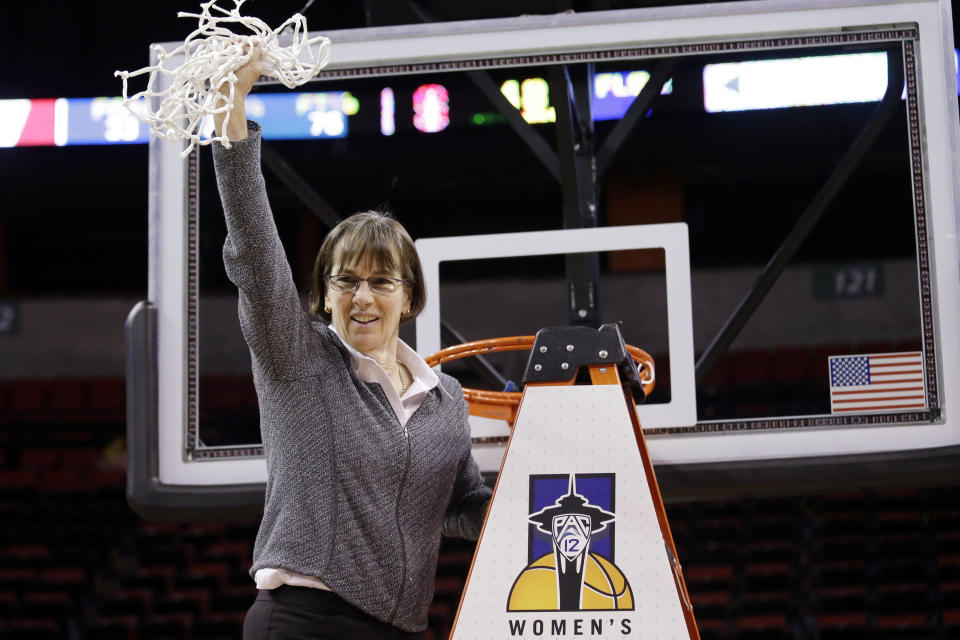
<point>246,77</point>
<point>276,328</point>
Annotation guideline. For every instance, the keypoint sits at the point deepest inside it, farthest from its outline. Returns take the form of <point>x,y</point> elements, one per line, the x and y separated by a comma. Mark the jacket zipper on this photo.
<point>403,546</point>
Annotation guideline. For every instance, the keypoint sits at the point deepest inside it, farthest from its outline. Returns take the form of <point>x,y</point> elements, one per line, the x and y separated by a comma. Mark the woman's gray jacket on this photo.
<point>352,497</point>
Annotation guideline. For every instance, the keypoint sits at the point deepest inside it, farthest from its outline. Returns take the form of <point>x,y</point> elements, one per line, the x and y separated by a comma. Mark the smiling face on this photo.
<point>368,243</point>
<point>369,322</point>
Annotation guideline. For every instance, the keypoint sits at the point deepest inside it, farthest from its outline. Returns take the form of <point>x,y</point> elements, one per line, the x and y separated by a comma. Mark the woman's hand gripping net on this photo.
<point>205,83</point>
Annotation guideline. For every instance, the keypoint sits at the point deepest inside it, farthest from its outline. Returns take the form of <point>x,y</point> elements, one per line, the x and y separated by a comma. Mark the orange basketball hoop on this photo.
<point>502,405</point>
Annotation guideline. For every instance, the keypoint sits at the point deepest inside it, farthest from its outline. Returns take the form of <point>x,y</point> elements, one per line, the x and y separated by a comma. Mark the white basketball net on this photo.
<point>211,54</point>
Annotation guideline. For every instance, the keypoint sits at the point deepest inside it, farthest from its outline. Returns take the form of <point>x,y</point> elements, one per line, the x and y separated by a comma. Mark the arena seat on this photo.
<point>52,605</point>
<point>709,578</point>
<point>718,601</point>
<point>843,626</point>
<point>843,574</point>
<point>718,377</point>
<point>9,600</point>
<point>80,458</point>
<point>752,367</point>
<point>233,599</point>
<point>59,578</point>
<point>194,602</point>
<point>25,397</point>
<point>107,398</point>
<point>39,458</point>
<point>767,577</point>
<point>218,626</point>
<point>157,579</point>
<point>951,623</point>
<point>904,599</point>
<point>26,628</point>
<point>134,603</point>
<point>903,626</point>
<point>67,397</point>
<point>453,561</point>
<point>112,628</point>
<point>440,616</point>
<point>769,601</point>
<point>27,555</point>
<point>202,576</point>
<point>448,589</point>
<point>769,626</point>
<point>662,364</point>
<point>62,481</point>
<point>790,365</point>
<point>165,626</point>
<point>770,550</point>
<point>229,551</point>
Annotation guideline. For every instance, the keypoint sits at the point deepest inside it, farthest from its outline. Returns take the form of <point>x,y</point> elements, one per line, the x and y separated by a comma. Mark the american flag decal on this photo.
<point>877,382</point>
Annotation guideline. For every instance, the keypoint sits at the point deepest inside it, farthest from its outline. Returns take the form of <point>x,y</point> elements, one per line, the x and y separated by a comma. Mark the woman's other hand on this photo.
<point>246,76</point>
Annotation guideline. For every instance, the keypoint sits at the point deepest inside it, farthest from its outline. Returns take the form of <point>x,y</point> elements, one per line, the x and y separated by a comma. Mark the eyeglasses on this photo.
<point>377,284</point>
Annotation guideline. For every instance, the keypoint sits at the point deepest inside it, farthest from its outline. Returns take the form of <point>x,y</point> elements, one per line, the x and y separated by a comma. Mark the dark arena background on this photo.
<point>812,554</point>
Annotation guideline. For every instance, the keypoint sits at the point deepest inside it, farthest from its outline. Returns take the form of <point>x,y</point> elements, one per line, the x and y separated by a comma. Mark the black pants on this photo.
<point>302,613</point>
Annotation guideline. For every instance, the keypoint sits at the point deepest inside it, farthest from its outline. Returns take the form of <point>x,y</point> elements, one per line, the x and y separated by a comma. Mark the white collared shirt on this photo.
<point>369,370</point>
<point>424,378</point>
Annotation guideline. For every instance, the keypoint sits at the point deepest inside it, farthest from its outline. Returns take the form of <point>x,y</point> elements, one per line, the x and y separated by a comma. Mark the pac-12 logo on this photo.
<point>570,547</point>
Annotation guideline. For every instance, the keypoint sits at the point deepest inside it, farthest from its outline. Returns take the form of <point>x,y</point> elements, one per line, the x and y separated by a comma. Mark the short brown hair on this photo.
<point>372,237</point>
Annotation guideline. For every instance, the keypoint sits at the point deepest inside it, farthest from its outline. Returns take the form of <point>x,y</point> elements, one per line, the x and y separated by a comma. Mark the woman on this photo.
<point>367,448</point>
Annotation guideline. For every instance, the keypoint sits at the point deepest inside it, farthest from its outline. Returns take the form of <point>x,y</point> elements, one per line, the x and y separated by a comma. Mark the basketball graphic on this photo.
<point>570,545</point>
